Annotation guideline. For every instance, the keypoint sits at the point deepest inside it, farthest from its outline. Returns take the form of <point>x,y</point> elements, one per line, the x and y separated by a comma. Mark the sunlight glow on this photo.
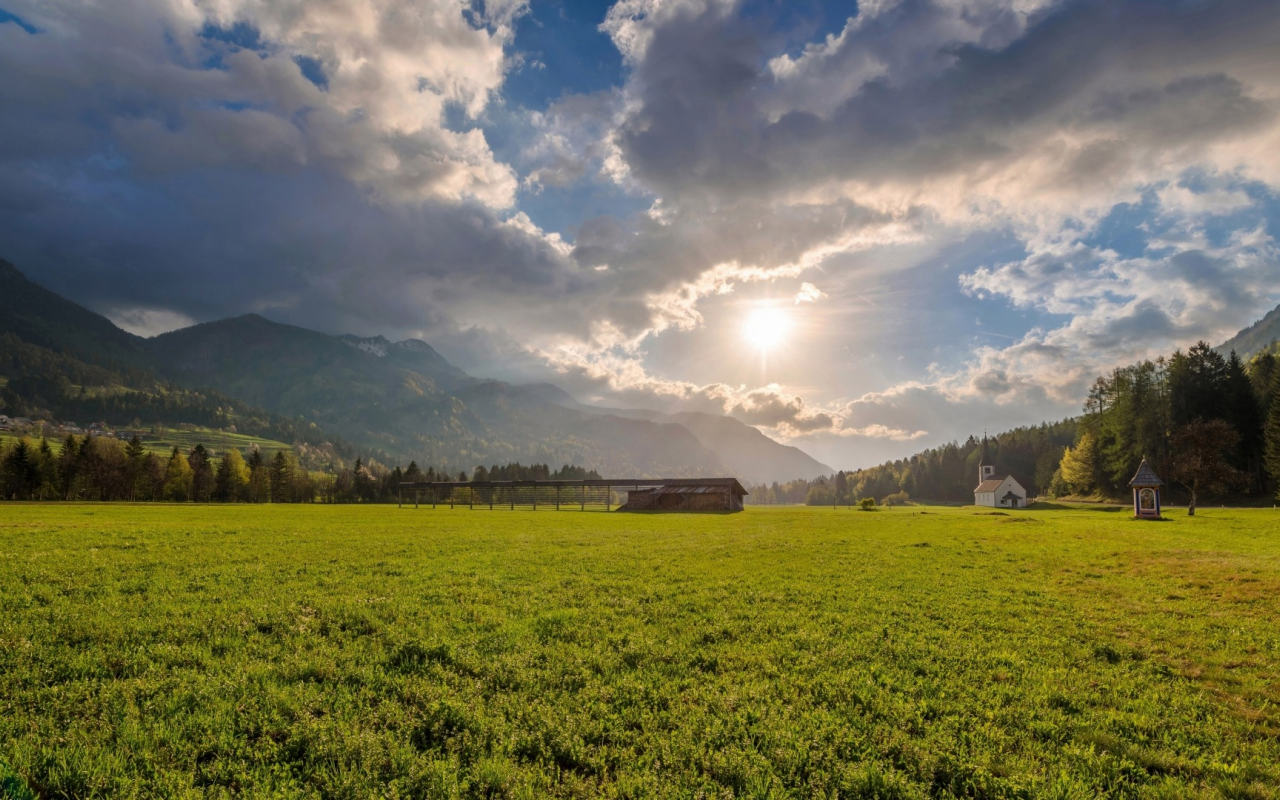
<point>767,328</point>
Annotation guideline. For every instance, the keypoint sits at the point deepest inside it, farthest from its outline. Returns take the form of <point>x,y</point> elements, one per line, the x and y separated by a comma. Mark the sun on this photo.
<point>767,328</point>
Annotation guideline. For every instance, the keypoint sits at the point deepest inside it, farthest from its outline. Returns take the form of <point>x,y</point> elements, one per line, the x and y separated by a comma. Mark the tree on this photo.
<point>18,472</point>
<point>1079,464</point>
<point>1199,459</point>
<point>1244,413</point>
<point>281,478</point>
<point>1196,380</point>
<point>201,473</point>
<point>1271,433</point>
<point>68,467</point>
<point>177,483</point>
<point>259,488</point>
<point>136,454</point>
<point>232,477</point>
<point>842,488</point>
<point>1047,466</point>
<point>153,477</point>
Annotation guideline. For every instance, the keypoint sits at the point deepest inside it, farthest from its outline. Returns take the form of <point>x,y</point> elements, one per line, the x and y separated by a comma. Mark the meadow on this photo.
<point>359,651</point>
<point>182,438</point>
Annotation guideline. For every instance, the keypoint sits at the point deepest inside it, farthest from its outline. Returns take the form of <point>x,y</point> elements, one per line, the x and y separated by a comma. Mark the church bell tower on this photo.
<point>985,468</point>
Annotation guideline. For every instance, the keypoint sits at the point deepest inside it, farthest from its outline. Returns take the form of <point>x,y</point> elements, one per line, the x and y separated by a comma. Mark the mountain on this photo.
<point>1255,338</point>
<point>415,355</point>
<point>748,452</point>
<point>405,399</point>
<point>554,394</point>
<point>59,360</point>
<point>400,399</point>
<point>41,317</point>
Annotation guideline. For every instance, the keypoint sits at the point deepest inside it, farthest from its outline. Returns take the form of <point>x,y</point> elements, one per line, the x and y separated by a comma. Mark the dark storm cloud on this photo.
<point>1141,75</point>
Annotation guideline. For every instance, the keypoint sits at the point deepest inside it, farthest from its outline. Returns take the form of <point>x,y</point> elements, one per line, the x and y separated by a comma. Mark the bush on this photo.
<point>896,499</point>
<point>867,504</point>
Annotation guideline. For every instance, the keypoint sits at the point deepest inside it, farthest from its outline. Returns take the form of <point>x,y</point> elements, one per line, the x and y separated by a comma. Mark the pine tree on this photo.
<point>1271,433</point>
<point>201,474</point>
<point>136,455</point>
<point>281,478</point>
<point>1245,416</point>
<point>68,467</point>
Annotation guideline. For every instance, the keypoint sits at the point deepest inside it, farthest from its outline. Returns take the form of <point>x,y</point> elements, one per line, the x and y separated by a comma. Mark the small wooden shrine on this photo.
<point>1146,492</point>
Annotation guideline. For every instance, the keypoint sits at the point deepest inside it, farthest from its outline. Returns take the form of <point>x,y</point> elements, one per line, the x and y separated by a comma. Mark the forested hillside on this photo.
<point>1209,425</point>
<point>943,474</point>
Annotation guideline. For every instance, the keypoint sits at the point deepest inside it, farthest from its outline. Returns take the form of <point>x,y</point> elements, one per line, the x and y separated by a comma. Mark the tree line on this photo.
<point>941,474</point>
<point>1208,424</point>
<point>106,469</point>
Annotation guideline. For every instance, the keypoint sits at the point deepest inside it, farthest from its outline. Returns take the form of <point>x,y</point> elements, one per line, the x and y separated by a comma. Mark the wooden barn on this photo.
<point>688,494</point>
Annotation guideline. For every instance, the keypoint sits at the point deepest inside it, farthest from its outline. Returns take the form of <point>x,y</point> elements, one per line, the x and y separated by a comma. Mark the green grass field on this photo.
<point>184,440</point>
<point>352,651</point>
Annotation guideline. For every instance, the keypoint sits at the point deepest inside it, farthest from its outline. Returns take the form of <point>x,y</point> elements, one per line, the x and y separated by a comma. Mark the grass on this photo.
<point>785,652</point>
<point>184,439</point>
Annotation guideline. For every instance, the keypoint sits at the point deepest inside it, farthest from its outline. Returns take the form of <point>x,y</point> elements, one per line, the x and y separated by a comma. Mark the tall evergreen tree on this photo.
<point>201,474</point>
<point>136,454</point>
<point>1271,434</point>
<point>281,478</point>
<point>1244,414</point>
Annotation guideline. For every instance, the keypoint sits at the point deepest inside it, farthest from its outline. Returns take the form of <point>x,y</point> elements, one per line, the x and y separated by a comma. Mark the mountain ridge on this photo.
<point>742,446</point>
<point>1252,340</point>
<point>402,399</point>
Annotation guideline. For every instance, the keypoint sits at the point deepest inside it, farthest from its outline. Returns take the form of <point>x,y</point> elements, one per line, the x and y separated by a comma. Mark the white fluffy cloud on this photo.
<point>186,84</point>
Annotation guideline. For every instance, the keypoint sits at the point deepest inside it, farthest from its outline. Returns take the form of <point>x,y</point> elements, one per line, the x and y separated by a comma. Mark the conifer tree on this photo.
<point>281,478</point>
<point>1271,433</point>
<point>136,454</point>
<point>201,474</point>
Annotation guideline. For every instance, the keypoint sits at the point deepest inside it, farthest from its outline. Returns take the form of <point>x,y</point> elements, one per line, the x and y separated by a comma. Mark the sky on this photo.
<point>866,228</point>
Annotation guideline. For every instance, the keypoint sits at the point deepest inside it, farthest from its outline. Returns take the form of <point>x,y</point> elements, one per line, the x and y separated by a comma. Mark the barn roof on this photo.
<point>700,486</point>
<point>1145,476</point>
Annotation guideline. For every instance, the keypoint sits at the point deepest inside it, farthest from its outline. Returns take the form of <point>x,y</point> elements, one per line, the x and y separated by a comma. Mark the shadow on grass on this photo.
<point>1046,506</point>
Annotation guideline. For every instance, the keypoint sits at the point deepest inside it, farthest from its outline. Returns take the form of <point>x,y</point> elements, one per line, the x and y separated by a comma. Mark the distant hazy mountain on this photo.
<point>747,451</point>
<point>407,400</point>
<point>1254,338</point>
<point>401,398</point>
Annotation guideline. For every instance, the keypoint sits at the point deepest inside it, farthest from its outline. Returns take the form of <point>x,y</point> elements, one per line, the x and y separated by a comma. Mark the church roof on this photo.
<point>1145,476</point>
<point>991,484</point>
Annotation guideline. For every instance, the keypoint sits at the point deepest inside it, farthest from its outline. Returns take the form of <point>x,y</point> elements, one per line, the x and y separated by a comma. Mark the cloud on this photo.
<point>149,321</point>
<point>188,85</point>
<point>330,163</point>
<point>809,294</point>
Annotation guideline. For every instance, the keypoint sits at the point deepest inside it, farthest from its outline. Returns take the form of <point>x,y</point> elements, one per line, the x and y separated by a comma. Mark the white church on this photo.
<point>996,491</point>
